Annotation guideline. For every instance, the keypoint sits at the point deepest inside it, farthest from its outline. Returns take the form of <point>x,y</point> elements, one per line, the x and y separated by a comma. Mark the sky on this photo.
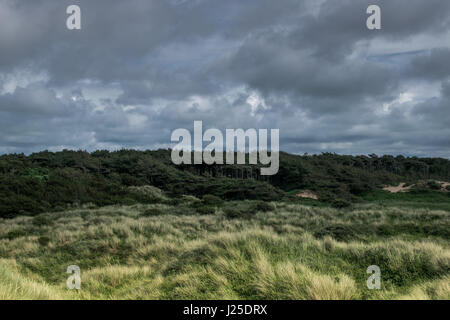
<point>139,69</point>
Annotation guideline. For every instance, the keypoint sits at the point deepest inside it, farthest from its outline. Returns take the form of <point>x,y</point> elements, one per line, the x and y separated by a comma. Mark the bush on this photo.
<point>206,210</point>
<point>209,199</point>
<point>13,234</point>
<point>128,201</point>
<point>360,188</point>
<point>148,194</point>
<point>129,180</point>
<point>340,203</point>
<point>338,232</point>
<point>153,212</point>
<point>44,240</point>
<point>247,210</point>
<point>263,206</point>
<point>42,221</point>
<point>189,198</point>
<point>174,202</point>
<point>434,185</point>
<point>447,188</point>
<point>232,213</point>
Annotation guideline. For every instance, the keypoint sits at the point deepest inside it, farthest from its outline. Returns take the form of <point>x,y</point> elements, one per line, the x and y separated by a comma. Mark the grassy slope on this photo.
<point>295,252</point>
<point>425,199</point>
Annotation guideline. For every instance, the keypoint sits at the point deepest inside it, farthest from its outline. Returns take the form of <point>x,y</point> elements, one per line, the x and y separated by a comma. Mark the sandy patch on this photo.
<point>400,188</point>
<point>444,185</point>
<point>307,194</point>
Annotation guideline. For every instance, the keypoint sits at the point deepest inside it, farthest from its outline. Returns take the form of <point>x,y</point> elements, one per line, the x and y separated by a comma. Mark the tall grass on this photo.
<point>292,252</point>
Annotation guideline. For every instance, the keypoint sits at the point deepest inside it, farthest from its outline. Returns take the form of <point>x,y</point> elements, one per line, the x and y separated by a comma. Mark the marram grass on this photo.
<point>293,252</point>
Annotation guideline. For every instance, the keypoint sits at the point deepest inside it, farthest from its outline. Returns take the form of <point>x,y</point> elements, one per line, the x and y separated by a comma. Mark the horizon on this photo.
<point>306,154</point>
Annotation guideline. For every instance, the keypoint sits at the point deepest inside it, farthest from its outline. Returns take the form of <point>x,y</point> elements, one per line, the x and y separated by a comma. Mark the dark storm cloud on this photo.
<point>139,69</point>
<point>261,64</point>
<point>433,64</point>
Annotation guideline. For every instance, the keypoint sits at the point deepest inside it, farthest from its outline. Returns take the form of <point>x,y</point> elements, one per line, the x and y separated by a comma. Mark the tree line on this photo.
<point>48,180</point>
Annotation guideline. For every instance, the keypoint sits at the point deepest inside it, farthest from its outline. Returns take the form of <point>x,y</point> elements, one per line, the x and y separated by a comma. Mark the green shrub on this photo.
<point>419,190</point>
<point>148,193</point>
<point>44,240</point>
<point>189,198</point>
<point>128,201</point>
<point>153,212</point>
<point>42,221</point>
<point>340,203</point>
<point>339,232</point>
<point>13,234</point>
<point>174,202</point>
<point>434,185</point>
<point>247,210</point>
<point>129,180</point>
<point>209,199</point>
<point>360,187</point>
<point>262,206</point>
<point>204,210</point>
<point>232,213</point>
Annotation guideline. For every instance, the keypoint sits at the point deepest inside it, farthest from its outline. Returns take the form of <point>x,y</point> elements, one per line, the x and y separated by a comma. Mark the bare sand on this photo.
<point>400,188</point>
<point>444,185</point>
<point>307,194</point>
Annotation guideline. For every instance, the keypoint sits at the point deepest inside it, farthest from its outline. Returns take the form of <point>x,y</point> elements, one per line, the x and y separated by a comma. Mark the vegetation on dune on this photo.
<point>240,250</point>
<point>140,227</point>
<point>48,181</point>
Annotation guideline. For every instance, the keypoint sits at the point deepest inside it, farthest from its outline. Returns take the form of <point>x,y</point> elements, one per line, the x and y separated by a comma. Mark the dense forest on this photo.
<point>48,181</point>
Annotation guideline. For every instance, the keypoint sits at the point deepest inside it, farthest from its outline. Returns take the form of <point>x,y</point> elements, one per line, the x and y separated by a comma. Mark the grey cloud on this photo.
<point>34,100</point>
<point>154,66</point>
<point>432,65</point>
